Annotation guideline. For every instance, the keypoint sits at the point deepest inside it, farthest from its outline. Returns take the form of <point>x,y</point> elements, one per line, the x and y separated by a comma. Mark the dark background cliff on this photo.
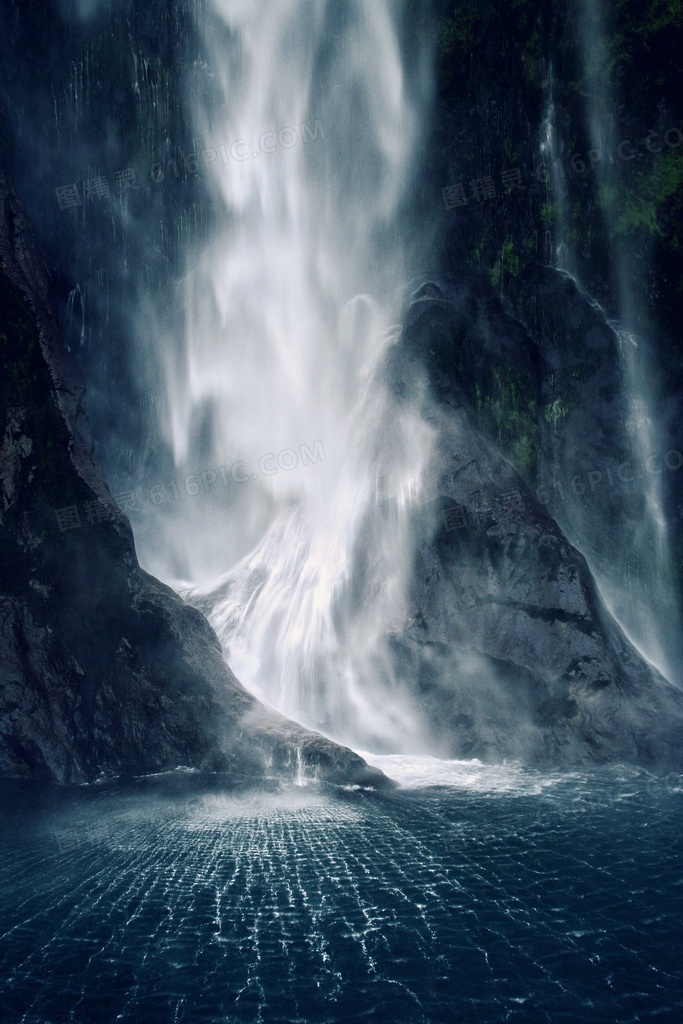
<point>499,65</point>
<point>83,98</point>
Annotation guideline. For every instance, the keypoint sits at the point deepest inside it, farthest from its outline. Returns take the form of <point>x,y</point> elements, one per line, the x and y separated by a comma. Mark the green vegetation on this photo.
<point>460,35</point>
<point>530,243</point>
<point>531,59</point>
<point>524,455</point>
<point>638,205</point>
<point>508,412</point>
<point>548,213</point>
<point>511,262</point>
<point>508,263</point>
<point>528,21</point>
<point>579,87</point>
<point>639,25</point>
<point>553,412</point>
<point>647,19</point>
<point>583,233</point>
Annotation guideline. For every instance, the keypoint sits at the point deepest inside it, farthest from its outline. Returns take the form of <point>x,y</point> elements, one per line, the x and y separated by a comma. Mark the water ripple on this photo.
<point>542,903</point>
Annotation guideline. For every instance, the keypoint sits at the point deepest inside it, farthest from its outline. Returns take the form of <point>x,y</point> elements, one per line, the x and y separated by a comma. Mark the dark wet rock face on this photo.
<point>509,644</point>
<point>103,669</point>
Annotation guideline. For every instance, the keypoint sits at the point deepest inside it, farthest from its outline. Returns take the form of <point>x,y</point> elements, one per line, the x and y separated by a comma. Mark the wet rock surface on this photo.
<point>104,670</point>
<point>509,643</point>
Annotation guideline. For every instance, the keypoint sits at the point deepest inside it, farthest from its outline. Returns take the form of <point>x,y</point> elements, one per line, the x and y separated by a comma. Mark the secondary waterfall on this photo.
<point>556,245</point>
<point>310,138</point>
<point>647,608</point>
<point>638,588</point>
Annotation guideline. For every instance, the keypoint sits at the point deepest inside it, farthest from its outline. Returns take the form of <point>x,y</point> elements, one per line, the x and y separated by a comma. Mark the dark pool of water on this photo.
<point>552,899</point>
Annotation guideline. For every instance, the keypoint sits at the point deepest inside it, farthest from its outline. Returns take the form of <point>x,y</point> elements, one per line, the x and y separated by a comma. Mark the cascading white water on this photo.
<point>648,610</point>
<point>557,246</point>
<point>651,618</point>
<point>310,137</point>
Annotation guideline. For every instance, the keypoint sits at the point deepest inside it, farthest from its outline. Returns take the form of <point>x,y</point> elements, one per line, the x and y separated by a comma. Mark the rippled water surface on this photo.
<point>500,895</point>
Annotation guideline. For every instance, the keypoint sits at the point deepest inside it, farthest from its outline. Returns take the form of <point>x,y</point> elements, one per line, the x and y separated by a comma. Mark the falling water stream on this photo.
<point>557,247</point>
<point>639,587</point>
<point>311,133</point>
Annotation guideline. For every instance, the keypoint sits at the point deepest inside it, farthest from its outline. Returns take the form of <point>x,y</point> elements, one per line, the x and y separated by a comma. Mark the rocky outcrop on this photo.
<point>608,470</point>
<point>520,179</point>
<point>509,645</point>
<point>103,670</point>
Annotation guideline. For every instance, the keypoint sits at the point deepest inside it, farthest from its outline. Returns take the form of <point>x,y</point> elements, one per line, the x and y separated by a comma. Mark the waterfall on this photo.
<point>556,214</point>
<point>640,590</point>
<point>309,144</point>
<point>648,609</point>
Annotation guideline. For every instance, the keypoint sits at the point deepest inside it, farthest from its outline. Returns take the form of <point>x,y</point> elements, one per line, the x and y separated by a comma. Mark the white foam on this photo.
<point>419,771</point>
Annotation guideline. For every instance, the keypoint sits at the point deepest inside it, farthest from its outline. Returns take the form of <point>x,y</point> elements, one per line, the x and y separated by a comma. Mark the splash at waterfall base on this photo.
<point>502,645</point>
